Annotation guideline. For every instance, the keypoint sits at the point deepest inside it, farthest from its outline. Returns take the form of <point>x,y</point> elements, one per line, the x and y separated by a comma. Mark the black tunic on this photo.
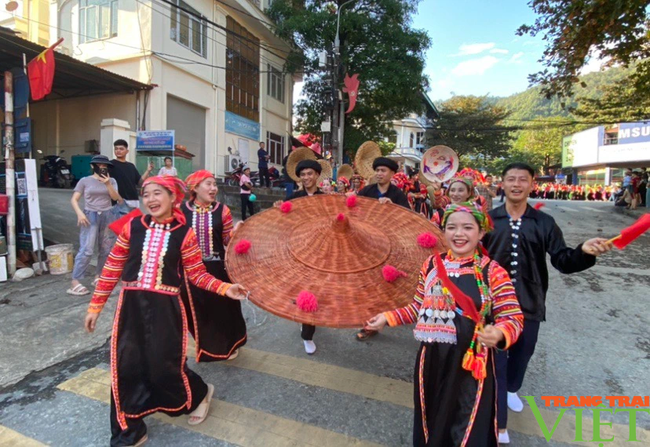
<point>221,325</point>
<point>449,391</point>
<point>148,346</point>
<point>394,194</point>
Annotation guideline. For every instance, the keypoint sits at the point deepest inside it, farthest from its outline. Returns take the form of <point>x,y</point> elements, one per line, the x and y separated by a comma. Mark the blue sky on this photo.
<point>475,50</point>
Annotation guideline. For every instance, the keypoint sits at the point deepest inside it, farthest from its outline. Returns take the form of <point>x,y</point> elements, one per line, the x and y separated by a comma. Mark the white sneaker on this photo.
<point>310,346</point>
<point>504,438</point>
<point>514,403</point>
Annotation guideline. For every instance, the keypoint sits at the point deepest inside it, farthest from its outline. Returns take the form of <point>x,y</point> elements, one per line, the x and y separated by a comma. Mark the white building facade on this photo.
<point>216,67</point>
<point>410,135</point>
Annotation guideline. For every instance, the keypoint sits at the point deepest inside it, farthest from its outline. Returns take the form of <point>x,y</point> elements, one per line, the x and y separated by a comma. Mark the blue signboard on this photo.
<point>155,140</point>
<point>242,126</point>
<point>633,133</point>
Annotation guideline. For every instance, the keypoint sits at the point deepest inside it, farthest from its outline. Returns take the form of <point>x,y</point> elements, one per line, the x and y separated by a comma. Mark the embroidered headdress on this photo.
<point>175,186</point>
<point>194,180</point>
<point>481,217</point>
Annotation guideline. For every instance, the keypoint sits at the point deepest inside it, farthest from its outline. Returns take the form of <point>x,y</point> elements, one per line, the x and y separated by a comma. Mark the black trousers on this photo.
<point>246,203</point>
<point>265,178</point>
<point>307,331</point>
<point>511,368</point>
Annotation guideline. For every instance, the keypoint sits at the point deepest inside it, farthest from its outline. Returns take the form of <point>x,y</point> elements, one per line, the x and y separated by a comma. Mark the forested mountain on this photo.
<point>529,104</point>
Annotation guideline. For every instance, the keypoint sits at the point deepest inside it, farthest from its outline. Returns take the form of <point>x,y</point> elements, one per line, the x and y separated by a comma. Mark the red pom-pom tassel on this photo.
<point>242,247</point>
<point>286,207</point>
<point>351,201</point>
<point>340,217</point>
<point>427,240</point>
<point>391,274</point>
<point>307,302</point>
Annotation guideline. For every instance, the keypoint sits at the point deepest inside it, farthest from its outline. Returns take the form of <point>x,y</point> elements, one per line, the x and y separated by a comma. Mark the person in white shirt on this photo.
<point>168,169</point>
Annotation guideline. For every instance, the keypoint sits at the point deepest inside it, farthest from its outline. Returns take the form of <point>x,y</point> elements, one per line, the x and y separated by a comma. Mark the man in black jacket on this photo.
<point>308,171</point>
<point>384,190</point>
<point>521,238</point>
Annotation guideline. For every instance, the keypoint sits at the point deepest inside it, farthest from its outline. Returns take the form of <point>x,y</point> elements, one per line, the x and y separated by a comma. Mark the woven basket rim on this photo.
<point>275,270</point>
<point>299,154</point>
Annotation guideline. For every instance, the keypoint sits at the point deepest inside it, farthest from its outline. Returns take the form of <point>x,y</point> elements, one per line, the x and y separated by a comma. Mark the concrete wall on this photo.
<point>67,124</point>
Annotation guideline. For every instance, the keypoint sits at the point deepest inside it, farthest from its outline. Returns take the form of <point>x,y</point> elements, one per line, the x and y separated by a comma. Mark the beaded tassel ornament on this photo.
<point>475,358</point>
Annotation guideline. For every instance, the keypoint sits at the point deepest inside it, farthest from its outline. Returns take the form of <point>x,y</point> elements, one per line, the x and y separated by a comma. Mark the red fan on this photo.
<point>539,205</point>
<point>632,232</point>
<point>120,223</point>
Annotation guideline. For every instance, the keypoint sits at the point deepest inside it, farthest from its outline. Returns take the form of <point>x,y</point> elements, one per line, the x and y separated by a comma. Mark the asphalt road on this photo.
<point>595,342</point>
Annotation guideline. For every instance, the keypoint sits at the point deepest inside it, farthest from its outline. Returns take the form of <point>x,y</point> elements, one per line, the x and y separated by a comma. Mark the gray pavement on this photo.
<point>595,342</point>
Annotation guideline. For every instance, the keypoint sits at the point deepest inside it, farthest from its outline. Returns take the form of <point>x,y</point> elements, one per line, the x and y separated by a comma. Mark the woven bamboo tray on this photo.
<point>299,154</point>
<point>339,261</point>
<point>345,171</point>
<point>366,154</point>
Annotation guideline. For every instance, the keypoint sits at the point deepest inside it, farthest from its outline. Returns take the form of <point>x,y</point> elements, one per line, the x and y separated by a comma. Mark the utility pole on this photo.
<point>9,170</point>
<point>339,104</point>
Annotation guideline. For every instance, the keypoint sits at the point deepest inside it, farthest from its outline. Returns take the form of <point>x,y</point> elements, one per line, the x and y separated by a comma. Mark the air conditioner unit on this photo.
<point>232,162</point>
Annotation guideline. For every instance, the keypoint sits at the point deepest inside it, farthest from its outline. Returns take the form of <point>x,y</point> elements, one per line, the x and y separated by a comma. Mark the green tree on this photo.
<point>540,145</point>
<point>377,42</point>
<point>471,125</point>
<point>578,30</point>
<point>621,101</point>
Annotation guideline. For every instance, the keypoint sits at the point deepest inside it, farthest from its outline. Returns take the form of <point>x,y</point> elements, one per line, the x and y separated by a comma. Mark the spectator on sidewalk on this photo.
<point>169,168</point>
<point>263,165</point>
<point>127,177</point>
<point>246,189</point>
<point>98,190</point>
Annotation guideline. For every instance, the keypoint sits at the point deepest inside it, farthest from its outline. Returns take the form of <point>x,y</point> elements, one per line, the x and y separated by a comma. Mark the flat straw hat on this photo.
<point>326,172</point>
<point>345,171</point>
<point>366,154</point>
<point>336,253</point>
<point>298,155</point>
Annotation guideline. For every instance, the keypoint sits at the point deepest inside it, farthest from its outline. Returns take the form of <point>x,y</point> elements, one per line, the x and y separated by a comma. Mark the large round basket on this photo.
<point>298,155</point>
<point>334,252</point>
<point>366,154</point>
<point>345,171</point>
<point>326,172</point>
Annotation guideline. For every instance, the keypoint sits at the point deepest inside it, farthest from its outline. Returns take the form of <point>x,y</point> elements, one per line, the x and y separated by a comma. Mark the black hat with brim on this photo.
<point>101,160</point>
<point>387,162</point>
<point>308,164</point>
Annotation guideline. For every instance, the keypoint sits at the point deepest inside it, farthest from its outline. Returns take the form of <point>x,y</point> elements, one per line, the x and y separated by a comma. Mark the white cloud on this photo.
<point>594,63</point>
<point>498,51</point>
<point>474,48</point>
<point>475,66</point>
<point>515,59</point>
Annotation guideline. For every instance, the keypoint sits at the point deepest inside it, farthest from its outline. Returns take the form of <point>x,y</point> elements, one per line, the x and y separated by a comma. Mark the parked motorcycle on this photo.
<point>233,177</point>
<point>55,172</point>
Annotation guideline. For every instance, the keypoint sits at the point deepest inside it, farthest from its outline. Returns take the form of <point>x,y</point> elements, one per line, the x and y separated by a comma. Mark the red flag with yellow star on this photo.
<point>40,71</point>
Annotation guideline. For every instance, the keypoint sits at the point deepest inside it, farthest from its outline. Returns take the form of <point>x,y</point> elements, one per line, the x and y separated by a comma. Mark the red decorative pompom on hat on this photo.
<point>391,273</point>
<point>427,240</point>
<point>286,207</point>
<point>242,247</point>
<point>307,302</point>
<point>351,201</point>
<point>539,205</point>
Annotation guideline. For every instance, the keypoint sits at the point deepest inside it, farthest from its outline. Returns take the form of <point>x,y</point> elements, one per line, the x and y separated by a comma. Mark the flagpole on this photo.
<point>10,176</point>
<point>27,105</point>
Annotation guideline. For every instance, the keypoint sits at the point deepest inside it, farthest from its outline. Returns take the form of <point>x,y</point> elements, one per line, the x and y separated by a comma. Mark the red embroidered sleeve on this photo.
<point>409,314</point>
<point>505,306</point>
<point>226,219</point>
<point>112,271</point>
<point>195,269</point>
<point>440,200</point>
